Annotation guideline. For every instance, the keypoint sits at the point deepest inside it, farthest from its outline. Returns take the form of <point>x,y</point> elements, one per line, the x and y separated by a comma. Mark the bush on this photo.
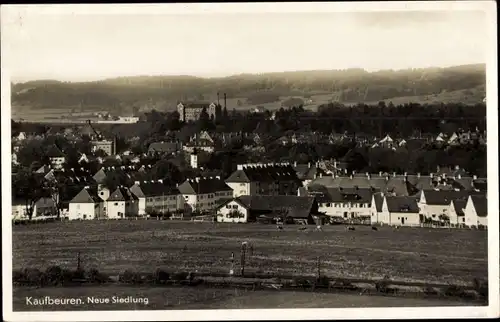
<point>53,276</point>
<point>454,291</point>
<point>94,276</point>
<point>382,286</point>
<point>481,287</point>
<point>130,277</point>
<point>18,277</point>
<point>161,277</point>
<point>180,276</point>
<point>33,276</point>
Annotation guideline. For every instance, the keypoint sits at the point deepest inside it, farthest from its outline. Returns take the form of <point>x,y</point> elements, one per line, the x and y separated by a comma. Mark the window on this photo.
<point>102,193</point>
<point>235,206</point>
<point>242,184</point>
<point>328,204</point>
<point>360,205</point>
<point>116,203</point>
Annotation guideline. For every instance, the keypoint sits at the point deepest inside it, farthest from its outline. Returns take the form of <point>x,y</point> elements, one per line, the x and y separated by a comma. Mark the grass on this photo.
<point>407,254</point>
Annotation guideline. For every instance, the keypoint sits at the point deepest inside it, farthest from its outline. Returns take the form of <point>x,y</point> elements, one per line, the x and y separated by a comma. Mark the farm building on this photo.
<point>263,179</point>
<point>456,213</point>
<point>122,203</point>
<point>204,194</point>
<point>292,209</point>
<point>399,211</point>
<point>346,203</point>
<point>157,197</point>
<point>476,211</point>
<point>86,205</point>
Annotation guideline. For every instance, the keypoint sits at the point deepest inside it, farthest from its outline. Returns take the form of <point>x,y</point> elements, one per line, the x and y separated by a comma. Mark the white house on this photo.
<point>204,194</point>
<point>476,211</point>
<point>122,203</point>
<point>399,211</point>
<point>83,158</point>
<point>376,208</point>
<point>157,197</point>
<point>344,203</point>
<point>456,213</point>
<point>86,205</point>
<point>433,203</point>
<point>233,211</point>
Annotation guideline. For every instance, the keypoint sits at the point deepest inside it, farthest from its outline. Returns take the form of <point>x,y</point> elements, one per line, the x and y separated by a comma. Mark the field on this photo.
<point>407,254</point>
<point>164,298</point>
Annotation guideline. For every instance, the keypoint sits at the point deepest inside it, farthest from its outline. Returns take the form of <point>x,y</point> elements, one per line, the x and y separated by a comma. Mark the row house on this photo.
<point>290,209</point>
<point>435,204</point>
<point>395,211</point>
<point>164,148</point>
<point>476,211</point>
<point>204,194</point>
<point>157,197</point>
<point>264,179</point>
<point>346,204</point>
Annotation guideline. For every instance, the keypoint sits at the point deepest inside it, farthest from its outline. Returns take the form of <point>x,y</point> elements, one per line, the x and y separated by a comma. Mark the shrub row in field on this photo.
<point>56,276</point>
<point>158,277</point>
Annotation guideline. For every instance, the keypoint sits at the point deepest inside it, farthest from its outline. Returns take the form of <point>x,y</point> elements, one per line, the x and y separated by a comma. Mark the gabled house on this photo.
<point>456,213</point>
<point>399,211</point>
<point>291,209</point>
<point>157,197</point>
<point>476,211</point>
<point>434,204</point>
<point>121,204</point>
<point>345,204</point>
<point>86,205</point>
<point>204,194</point>
<point>376,207</point>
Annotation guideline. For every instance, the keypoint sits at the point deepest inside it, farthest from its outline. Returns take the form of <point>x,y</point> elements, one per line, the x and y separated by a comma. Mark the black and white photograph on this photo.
<point>220,161</point>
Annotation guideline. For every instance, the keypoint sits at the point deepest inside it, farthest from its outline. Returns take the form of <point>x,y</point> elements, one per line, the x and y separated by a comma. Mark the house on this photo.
<point>108,146</point>
<point>476,211</point>
<point>19,209</point>
<point>200,142</point>
<point>156,197</point>
<point>204,194</point>
<point>161,148</point>
<point>434,204</point>
<point>344,203</point>
<point>456,213</point>
<point>376,207</point>
<point>191,111</point>
<point>56,157</point>
<point>21,136</point>
<point>45,206</point>
<point>399,211</point>
<point>83,158</point>
<point>86,205</point>
<point>291,209</point>
<point>264,179</point>
<point>121,204</point>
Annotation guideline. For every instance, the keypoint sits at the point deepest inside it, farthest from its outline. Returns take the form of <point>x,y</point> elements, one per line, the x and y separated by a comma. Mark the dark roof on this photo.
<point>297,207</point>
<point>86,195</point>
<point>444,197</point>
<point>203,186</point>
<point>402,204</point>
<point>360,195</point>
<point>480,204</point>
<point>307,171</point>
<point>480,184</point>
<point>122,194</point>
<point>153,189</point>
<point>54,152</point>
<point>459,206</point>
<point>320,193</point>
<point>163,147</point>
<point>264,173</point>
<point>379,201</point>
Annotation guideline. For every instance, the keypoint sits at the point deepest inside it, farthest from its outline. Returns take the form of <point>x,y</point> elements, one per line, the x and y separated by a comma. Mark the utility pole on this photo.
<point>243,255</point>
<point>78,264</point>
<point>319,268</point>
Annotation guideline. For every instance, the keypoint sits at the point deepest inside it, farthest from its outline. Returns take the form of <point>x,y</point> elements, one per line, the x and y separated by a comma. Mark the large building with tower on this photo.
<point>191,111</point>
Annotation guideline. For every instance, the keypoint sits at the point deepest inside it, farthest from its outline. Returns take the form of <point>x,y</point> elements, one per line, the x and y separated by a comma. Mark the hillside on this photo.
<point>122,94</point>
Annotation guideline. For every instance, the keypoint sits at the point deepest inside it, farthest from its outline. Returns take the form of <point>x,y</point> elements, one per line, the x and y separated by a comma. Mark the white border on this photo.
<point>276,314</point>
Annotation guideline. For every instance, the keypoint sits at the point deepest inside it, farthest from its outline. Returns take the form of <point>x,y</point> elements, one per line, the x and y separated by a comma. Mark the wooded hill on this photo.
<point>162,92</point>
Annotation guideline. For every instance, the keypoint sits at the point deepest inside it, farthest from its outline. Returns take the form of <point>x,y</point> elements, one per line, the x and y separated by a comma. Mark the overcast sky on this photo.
<point>85,46</point>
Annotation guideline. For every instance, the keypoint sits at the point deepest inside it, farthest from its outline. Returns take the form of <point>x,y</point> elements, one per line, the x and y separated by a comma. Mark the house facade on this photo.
<point>86,205</point>
<point>399,211</point>
<point>191,111</point>
<point>204,194</point>
<point>476,211</point>
<point>345,204</point>
<point>121,204</point>
<point>157,197</point>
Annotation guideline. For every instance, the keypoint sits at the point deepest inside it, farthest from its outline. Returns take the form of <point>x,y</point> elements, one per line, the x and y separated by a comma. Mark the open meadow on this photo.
<point>407,254</point>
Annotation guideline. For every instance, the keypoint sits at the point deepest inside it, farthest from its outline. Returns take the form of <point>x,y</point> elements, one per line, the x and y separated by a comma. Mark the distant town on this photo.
<point>203,163</point>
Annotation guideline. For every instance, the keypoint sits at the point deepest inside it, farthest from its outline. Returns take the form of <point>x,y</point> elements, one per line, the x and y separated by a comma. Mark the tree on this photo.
<point>165,170</point>
<point>29,187</point>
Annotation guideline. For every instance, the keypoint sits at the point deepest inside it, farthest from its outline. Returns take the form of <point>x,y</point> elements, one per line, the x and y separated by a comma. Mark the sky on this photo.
<point>83,45</point>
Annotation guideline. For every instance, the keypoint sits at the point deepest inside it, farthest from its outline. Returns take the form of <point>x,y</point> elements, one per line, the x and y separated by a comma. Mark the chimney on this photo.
<point>137,183</point>
<point>295,164</point>
<point>321,175</point>
<point>431,175</point>
<point>351,176</point>
<point>160,181</point>
<point>225,101</point>
<point>474,177</point>
<point>197,179</point>
<point>457,167</point>
<point>459,176</point>
<point>394,174</point>
<point>217,177</point>
<point>309,165</point>
<point>380,174</point>
<point>387,178</point>
<point>333,175</point>
<point>177,185</point>
<point>368,176</point>
<point>86,187</point>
